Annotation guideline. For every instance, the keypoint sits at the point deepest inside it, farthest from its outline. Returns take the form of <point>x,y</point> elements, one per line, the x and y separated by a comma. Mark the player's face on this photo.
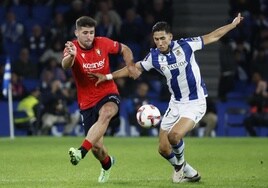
<point>85,36</point>
<point>162,40</point>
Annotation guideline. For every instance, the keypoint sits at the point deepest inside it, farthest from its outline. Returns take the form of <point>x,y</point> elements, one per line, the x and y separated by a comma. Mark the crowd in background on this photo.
<point>244,62</point>
<point>244,50</point>
<point>33,34</point>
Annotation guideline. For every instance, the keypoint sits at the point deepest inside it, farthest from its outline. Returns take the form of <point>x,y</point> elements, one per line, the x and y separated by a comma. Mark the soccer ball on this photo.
<point>148,116</point>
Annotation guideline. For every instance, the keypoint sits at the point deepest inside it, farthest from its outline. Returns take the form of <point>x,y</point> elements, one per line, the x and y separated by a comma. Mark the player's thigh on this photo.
<point>108,110</point>
<point>182,127</point>
<point>108,107</point>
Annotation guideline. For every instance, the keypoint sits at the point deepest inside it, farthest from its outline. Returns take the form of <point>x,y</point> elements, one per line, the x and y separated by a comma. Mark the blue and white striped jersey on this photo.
<point>180,69</point>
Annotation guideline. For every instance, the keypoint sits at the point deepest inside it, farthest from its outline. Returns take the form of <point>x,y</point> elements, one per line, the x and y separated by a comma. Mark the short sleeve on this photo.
<point>196,43</point>
<point>113,47</point>
<point>146,63</point>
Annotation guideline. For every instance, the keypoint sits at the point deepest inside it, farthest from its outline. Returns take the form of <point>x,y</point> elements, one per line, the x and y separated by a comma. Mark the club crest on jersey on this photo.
<point>162,68</point>
<point>98,52</point>
<point>178,52</point>
<point>83,55</point>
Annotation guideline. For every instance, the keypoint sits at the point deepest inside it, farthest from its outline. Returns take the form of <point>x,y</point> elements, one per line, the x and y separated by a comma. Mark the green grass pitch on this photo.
<point>44,162</point>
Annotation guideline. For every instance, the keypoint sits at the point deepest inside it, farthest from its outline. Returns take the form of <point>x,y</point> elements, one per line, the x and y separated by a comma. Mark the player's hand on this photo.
<point>237,19</point>
<point>70,48</point>
<point>133,71</point>
<point>101,77</point>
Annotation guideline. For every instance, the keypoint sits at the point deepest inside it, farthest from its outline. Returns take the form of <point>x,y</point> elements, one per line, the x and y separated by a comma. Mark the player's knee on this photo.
<point>174,137</point>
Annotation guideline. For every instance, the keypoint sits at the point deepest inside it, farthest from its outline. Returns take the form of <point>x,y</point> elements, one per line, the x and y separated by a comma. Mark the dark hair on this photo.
<point>161,26</point>
<point>85,21</point>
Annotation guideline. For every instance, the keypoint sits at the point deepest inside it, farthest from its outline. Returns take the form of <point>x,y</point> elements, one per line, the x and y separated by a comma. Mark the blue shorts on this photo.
<point>91,115</point>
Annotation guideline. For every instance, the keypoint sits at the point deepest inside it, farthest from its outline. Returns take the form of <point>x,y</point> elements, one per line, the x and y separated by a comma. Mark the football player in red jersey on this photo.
<point>98,104</point>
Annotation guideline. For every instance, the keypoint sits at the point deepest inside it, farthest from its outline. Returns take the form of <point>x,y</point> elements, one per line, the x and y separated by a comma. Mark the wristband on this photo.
<point>109,76</point>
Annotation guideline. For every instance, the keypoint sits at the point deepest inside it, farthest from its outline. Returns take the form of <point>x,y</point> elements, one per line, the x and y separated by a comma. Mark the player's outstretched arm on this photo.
<point>220,32</point>
<point>124,72</point>
<point>129,59</point>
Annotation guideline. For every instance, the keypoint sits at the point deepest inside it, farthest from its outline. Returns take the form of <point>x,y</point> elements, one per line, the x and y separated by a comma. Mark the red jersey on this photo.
<point>94,60</point>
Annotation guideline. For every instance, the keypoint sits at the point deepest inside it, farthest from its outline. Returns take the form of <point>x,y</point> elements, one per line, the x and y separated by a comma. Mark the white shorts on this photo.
<point>193,110</point>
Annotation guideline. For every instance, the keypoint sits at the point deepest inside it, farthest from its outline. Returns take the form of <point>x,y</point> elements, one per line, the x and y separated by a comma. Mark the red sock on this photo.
<point>87,145</point>
<point>106,163</point>
<point>106,160</point>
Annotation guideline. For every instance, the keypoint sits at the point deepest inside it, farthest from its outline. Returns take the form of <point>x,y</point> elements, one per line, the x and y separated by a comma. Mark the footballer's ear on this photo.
<point>171,36</point>
<point>76,32</point>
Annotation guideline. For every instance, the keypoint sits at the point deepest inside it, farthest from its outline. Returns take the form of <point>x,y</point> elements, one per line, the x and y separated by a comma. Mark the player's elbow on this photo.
<point>125,48</point>
<point>126,52</point>
<point>210,38</point>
